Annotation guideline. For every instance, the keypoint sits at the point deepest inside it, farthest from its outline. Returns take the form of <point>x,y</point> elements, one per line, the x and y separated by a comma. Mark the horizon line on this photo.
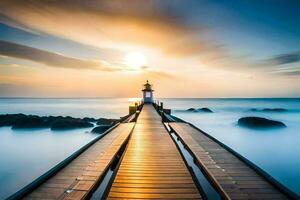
<point>21,97</point>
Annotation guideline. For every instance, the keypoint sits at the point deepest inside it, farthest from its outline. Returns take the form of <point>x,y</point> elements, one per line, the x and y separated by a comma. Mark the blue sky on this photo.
<point>250,47</point>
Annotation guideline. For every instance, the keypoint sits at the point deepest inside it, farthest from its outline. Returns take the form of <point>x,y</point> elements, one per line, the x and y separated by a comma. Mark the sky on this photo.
<point>185,48</point>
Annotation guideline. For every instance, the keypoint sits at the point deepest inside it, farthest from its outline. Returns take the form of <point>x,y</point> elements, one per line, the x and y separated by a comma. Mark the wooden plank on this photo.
<point>154,185</point>
<point>80,176</point>
<point>134,195</point>
<point>152,167</point>
<point>232,177</point>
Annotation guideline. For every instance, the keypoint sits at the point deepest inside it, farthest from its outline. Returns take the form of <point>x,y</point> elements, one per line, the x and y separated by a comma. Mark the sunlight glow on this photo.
<point>135,60</point>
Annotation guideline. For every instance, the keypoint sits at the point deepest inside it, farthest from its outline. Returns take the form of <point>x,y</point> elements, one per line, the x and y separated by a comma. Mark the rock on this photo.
<point>205,110</point>
<point>9,119</point>
<point>90,119</point>
<point>104,121</point>
<point>274,110</point>
<point>20,121</point>
<point>100,129</point>
<point>67,123</point>
<point>259,122</point>
<point>49,120</point>
<point>29,121</point>
<point>191,110</point>
<point>269,110</point>
<point>199,110</point>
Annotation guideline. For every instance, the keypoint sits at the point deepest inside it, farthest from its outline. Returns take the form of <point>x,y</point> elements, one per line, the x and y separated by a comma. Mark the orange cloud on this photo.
<point>116,25</point>
<point>48,58</point>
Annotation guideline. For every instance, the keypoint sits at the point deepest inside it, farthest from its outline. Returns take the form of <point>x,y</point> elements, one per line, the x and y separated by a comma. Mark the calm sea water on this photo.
<point>26,154</point>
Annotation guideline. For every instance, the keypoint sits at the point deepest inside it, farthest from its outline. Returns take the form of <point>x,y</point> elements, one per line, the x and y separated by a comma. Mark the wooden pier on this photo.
<point>233,178</point>
<point>76,180</point>
<point>152,166</point>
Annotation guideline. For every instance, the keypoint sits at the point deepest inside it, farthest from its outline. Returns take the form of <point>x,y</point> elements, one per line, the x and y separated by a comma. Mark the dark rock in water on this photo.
<point>69,123</point>
<point>191,110</point>
<point>104,121</point>
<point>29,121</point>
<point>274,110</point>
<point>90,119</point>
<point>20,121</point>
<point>205,110</point>
<point>49,120</point>
<point>199,110</point>
<point>9,119</point>
<point>100,129</point>
<point>259,122</point>
<point>269,110</point>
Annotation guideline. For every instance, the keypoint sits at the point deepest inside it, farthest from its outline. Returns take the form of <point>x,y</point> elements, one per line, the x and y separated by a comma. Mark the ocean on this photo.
<point>26,154</point>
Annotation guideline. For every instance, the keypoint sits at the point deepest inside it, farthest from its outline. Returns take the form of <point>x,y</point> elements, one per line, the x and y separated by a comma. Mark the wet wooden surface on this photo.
<point>79,176</point>
<point>152,167</point>
<point>234,177</point>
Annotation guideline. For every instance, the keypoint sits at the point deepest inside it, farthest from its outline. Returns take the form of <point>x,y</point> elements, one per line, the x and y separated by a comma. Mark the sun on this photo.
<point>135,60</point>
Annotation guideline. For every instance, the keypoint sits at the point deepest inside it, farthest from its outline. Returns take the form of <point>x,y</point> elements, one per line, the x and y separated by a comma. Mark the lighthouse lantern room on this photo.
<point>147,93</point>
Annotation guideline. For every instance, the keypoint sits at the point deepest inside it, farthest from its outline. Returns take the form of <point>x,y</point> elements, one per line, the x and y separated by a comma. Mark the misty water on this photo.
<point>27,154</point>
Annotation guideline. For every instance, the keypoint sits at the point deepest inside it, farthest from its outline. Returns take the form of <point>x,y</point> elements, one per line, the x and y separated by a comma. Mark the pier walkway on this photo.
<point>152,167</point>
<point>77,179</point>
<point>233,178</point>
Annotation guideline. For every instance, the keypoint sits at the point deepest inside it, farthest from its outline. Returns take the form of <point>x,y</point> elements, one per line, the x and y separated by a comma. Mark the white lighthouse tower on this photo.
<point>147,93</point>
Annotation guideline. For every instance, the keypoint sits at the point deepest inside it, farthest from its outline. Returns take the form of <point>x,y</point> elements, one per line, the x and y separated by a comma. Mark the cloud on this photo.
<point>156,25</point>
<point>12,23</point>
<point>287,64</point>
<point>51,59</point>
<point>114,24</point>
<point>293,72</point>
<point>283,59</point>
<point>48,58</point>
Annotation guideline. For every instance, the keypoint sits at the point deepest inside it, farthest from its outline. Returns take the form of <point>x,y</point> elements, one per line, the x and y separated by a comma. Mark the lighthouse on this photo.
<point>147,93</point>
